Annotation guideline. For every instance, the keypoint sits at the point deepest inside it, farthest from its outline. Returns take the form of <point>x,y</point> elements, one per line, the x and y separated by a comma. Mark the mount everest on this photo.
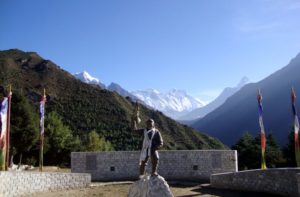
<point>177,104</point>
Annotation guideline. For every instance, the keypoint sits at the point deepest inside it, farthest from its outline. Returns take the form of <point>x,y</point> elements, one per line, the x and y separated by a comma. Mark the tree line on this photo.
<point>59,138</point>
<point>249,152</point>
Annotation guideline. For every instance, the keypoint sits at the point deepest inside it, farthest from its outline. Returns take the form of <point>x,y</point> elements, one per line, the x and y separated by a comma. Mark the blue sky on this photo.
<point>200,46</point>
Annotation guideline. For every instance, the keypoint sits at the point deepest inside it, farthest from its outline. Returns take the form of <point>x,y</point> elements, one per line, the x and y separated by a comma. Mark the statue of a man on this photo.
<point>152,141</point>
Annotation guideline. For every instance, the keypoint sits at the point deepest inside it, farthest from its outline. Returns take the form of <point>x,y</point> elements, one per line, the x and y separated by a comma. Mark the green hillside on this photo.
<point>84,107</point>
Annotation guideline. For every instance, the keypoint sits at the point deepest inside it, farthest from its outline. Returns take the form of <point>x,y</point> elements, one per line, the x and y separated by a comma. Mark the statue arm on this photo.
<point>135,120</point>
<point>161,142</point>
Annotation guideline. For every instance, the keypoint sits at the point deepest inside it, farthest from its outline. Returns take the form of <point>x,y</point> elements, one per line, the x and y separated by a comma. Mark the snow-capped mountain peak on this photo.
<point>178,92</point>
<point>152,90</point>
<point>173,103</point>
<point>87,78</point>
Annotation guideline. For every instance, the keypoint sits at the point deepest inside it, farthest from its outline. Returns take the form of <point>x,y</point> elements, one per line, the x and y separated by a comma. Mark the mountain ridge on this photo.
<point>84,107</point>
<point>239,113</point>
<point>174,103</point>
<point>201,112</point>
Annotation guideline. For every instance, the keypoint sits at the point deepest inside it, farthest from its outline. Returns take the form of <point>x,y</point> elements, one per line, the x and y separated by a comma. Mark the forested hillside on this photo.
<point>77,109</point>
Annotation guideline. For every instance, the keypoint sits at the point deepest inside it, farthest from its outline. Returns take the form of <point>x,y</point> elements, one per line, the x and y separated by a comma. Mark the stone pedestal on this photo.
<point>150,186</point>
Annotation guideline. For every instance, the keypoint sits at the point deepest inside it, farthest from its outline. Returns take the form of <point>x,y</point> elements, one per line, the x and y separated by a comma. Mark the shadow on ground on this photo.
<point>206,190</point>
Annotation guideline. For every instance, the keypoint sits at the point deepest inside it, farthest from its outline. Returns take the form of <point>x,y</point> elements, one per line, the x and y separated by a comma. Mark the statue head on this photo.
<point>150,123</point>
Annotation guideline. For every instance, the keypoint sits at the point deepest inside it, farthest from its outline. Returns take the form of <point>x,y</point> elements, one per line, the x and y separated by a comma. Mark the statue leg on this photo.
<point>143,166</point>
<point>154,160</point>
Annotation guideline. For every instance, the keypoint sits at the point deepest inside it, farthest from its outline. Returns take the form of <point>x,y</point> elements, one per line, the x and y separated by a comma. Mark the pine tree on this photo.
<point>59,141</point>
<point>289,151</point>
<point>248,152</point>
<point>274,155</point>
<point>97,143</point>
<point>24,126</point>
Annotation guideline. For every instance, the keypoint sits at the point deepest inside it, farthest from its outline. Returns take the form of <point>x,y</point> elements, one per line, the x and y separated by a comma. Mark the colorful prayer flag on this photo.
<point>42,127</point>
<point>3,130</point>
<point>262,131</point>
<point>8,129</point>
<point>296,128</point>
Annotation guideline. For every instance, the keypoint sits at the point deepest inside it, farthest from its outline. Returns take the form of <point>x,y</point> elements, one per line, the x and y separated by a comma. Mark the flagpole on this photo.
<point>41,154</point>
<point>8,129</point>
<point>262,131</point>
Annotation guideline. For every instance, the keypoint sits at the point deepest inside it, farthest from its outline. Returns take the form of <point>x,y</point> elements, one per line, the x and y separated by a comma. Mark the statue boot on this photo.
<point>142,168</point>
<point>154,161</point>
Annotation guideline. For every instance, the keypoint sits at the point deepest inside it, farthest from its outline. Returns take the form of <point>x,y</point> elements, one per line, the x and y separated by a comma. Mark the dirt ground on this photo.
<point>121,190</point>
<point>51,169</point>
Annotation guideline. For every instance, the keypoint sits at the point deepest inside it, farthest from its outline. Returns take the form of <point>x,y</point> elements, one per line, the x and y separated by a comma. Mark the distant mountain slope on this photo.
<point>174,103</point>
<point>84,107</point>
<point>202,111</point>
<point>114,87</point>
<point>240,114</point>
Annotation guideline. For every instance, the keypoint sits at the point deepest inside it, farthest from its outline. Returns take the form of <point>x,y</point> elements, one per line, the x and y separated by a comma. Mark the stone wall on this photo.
<point>283,181</point>
<point>195,165</point>
<point>298,181</point>
<point>24,183</point>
